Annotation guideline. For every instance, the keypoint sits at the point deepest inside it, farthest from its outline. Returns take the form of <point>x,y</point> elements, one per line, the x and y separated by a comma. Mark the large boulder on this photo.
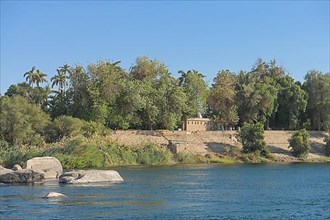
<point>20,176</point>
<point>4,170</point>
<point>90,176</point>
<point>50,165</point>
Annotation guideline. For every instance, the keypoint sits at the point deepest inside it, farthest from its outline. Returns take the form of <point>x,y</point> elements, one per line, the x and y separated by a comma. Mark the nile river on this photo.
<point>291,191</point>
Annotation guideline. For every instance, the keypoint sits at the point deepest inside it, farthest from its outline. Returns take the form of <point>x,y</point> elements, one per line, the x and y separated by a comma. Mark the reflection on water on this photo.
<point>187,192</point>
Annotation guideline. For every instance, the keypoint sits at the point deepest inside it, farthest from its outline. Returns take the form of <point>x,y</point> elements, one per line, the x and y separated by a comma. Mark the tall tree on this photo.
<point>257,93</point>
<point>66,69</point>
<point>292,102</point>
<point>317,86</point>
<point>106,81</point>
<point>146,67</point>
<point>30,76</point>
<point>196,91</point>
<point>40,77</point>
<point>222,98</point>
<point>59,80</point>
<point>163,102</point>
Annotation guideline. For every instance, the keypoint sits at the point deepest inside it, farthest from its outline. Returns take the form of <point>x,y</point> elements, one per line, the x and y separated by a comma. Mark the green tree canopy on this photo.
<point>196,91</point>
<point>222,98</point>
<point>252,138</point>
<point>317,86</point>
<point>21,121</point>
<point>300,143</point>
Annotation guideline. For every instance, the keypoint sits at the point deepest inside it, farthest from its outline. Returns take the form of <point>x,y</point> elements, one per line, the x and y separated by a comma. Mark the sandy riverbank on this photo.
<point>205,142</point>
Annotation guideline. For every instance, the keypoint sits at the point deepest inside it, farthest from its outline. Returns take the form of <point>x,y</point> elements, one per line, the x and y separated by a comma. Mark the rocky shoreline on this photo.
<point>40,169</point>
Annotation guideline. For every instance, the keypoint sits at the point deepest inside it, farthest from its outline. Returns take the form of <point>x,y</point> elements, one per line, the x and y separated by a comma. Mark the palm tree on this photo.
<point>30,76</point>
<point>39,77</point>
<point>184,75</point>
<point>66,69</point>
<point>60,80</point>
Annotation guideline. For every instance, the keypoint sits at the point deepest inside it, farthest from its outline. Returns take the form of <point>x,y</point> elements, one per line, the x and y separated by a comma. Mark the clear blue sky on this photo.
<point>206,36</point>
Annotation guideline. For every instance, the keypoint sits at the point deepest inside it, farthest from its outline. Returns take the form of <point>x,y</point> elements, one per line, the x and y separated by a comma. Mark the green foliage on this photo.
<point>152,154</point>
<point>186,157</point>
<point>252,138</point>
<point>292,103</point>
<point>37,95</point>
<point>78,153</point>
<point>300,143</point>
<point>21,122</point>
<point>162,101</point>
<point>35,76</point>
<point>11,155</point>
<point>92,128</point>
<point>317,86</point>
<point>64,126</point>
<point>222,99</point>
<point>196,91</point>
<point>327,145</point>
<point>98,152</point>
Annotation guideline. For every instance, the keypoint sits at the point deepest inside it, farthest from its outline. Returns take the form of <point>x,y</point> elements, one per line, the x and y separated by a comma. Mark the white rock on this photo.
<point>50,165</point>
<point>90,176</point>
<point>17,167</point>
<point>54,195</point>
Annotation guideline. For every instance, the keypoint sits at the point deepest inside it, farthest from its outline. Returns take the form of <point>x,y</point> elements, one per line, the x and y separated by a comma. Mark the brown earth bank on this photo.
<point>218,142</point>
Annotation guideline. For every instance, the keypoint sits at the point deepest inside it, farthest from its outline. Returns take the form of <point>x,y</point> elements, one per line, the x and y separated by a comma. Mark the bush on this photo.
<point>21,122</point>
<point>299,143</point>
<point>64,126</point>
<point>11,155</point>
<point>99,152</point>
<point>186,157</point>
<point>67,127</point>
<point>152,154</point>
<point>78,153</point>
<point>327,145</point>
<point>252,139</point>
<point>91,128</point>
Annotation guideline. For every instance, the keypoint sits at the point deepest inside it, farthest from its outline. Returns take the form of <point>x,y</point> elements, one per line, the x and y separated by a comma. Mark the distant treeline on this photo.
<point>149,97</point>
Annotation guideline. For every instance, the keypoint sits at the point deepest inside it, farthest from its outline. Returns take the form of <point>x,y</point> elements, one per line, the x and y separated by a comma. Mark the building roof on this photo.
<point>198,119</point>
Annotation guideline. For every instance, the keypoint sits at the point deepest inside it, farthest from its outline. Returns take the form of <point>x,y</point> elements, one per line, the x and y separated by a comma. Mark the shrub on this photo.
<point>252,139</point>
<point>64,126</point>
<point>327,145</point>
<point>91,128</point>
<point>152,154</point>
<point>186,157</point>
<point>21,122</point>
<point>78,153</point>
<point>11,155</point>
<point>299,143</point>
<point>67,126</point>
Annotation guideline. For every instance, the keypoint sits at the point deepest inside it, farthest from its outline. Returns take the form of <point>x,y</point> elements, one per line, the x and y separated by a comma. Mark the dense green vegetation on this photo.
<point>149,97</point>
<point>88,101</point>
<point>300,143</point>
<point>252,138</point>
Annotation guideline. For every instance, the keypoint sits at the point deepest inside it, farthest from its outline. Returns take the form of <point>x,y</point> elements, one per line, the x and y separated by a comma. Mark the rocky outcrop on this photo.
<point>20,176</point>
<point>50,165</point>
<point>90,176</point>
<point>4,170</point>
<point>54,195</point>
<point>16,167</point>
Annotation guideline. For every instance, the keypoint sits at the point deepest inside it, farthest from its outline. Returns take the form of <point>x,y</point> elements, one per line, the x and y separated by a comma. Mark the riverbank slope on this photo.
<point>208,142</point>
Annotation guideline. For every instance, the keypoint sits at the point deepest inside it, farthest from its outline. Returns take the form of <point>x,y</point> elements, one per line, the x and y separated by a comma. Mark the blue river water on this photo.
<point>281,191</point>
